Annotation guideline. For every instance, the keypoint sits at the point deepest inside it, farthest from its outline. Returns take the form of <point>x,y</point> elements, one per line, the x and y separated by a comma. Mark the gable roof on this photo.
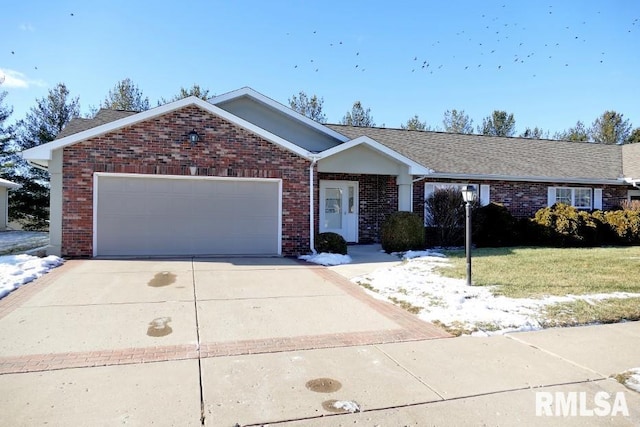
<point>41,154</point>
<point>257,96</point>
<point>415,168</point>
<point>485,157</point>
<point>631,161</point>
<point>102,116</point>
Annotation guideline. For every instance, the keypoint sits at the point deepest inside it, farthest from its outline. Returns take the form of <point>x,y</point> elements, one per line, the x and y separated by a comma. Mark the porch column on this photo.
<point>405,196</point>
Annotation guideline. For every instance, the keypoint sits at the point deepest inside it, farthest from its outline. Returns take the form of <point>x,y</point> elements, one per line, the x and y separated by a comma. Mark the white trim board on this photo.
<point>43,152</point>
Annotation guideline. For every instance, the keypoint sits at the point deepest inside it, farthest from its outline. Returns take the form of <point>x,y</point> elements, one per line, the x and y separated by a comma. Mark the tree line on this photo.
<point>609,128</point>
<point>51,113</point>
<point>28,205</point>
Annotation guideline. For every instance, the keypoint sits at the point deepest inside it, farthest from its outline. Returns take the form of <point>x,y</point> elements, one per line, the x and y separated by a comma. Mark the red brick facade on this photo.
<point>160,146</point>
<point>523,199</point>
<point>378,197</point>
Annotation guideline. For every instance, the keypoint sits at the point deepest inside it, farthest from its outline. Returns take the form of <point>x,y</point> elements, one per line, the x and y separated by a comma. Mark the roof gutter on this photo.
<point>525,178</point>
<point>37,165</point>
<point>634,182</point>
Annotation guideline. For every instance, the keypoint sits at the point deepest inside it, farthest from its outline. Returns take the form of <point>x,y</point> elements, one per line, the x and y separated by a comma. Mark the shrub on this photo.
<point>631,205</point>
<point>402,231</point>
<point>565,225</point>
<point>494,226</point>
<point>332,243</point>
<point>625,224</point>
<point>445,214</point>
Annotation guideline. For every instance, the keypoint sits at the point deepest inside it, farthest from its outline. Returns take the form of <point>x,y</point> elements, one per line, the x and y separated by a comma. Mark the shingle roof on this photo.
<point>631,160</point>
<point>103,116</point>
<point>450,153</point>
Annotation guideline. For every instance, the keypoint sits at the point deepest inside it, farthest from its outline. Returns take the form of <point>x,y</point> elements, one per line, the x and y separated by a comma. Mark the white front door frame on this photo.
<point>339,208</point>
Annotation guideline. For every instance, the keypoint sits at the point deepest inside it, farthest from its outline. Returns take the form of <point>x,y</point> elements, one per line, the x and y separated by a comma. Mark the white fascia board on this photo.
<point>42,153</point>
<point>247,91</point>
<point>550,179</point>
<point>8,184</point>
<point>414,167</point>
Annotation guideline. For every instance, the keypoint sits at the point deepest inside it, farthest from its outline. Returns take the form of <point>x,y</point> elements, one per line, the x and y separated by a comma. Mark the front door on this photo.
<point>339,208</point>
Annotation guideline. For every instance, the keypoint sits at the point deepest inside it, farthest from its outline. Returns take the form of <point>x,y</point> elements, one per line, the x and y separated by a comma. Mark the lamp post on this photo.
<point>468,195</point>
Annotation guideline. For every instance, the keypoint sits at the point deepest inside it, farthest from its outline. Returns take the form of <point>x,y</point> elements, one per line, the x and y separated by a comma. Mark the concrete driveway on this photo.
<point>226,342</point>
<point>85,333</point>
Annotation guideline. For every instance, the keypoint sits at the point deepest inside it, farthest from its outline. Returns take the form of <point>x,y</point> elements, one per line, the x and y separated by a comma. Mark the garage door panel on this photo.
<point>178,216</point>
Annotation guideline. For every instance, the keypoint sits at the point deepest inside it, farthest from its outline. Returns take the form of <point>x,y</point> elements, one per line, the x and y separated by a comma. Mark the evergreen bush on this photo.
<point>402,231</point>
<point>332,243</point>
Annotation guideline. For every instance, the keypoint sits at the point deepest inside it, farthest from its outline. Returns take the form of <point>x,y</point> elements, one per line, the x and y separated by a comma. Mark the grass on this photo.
<point>584,313</point>
<point>406,305</point>
<point>539,272</point>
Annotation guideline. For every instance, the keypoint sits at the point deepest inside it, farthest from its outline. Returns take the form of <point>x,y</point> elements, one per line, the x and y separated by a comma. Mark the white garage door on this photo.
<point>164,216</point>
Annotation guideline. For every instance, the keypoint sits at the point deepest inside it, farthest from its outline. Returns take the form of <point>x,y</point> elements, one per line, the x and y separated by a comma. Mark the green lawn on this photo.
<point>539,272</point>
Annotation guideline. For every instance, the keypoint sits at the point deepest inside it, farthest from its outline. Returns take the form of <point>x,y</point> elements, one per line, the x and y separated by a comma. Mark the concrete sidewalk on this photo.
<point>226,342</point>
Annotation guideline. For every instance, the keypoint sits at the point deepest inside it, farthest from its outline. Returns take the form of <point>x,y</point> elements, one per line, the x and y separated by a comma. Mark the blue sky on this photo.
<point>549,63</point>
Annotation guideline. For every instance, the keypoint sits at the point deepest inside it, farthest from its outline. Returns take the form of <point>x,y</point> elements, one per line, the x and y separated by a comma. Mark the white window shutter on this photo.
<point>597,198</point>
<point>484,195</point>
<point>551,196</point>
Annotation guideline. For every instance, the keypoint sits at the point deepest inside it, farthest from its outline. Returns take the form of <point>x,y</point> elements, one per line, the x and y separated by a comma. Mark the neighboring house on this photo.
<point>243,174</point>
<point>5,186</point>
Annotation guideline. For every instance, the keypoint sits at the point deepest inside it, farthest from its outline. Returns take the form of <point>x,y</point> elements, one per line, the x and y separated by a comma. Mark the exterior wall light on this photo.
<point>193,137</point>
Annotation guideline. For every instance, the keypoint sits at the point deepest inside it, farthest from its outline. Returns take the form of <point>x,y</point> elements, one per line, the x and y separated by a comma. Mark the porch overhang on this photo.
<point>365,155</point>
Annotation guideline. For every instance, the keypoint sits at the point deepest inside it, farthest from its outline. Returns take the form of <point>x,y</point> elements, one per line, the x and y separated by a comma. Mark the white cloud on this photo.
<point>16,79</point>
<point>27,27</point>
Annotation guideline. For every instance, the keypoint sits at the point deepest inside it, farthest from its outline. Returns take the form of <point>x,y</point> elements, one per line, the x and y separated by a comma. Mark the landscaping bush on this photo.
<point>332,243</point>
<point>624,224</point>
<point>445,217</point>
<point>402,231</point>
<point>631,205</point>
<point>565,225</point>
<point>494,226</point>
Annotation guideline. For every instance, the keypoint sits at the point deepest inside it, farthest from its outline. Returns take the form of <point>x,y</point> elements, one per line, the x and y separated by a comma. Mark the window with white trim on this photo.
<point>579,197</point>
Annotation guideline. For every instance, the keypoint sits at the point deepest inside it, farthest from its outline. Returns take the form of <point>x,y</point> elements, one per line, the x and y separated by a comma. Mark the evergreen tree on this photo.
<point>125,95</point>
<point>30,204</point>
<point>414,123</point>
<point>358,116</point>
<point>610,128</point>
<point>309,107</point>
<point>498,124</point>
<point>455,121</point>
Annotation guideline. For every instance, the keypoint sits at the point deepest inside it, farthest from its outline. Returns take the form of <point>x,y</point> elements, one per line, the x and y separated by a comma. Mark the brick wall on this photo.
<point>377,198</point>
<point>160,146</point>
<point>523,199</point>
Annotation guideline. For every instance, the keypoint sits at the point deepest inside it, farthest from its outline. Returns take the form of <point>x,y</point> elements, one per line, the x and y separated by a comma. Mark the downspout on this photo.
<point>312,243</point>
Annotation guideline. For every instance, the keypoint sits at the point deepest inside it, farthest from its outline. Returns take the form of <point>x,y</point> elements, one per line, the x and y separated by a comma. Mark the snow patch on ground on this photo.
<point>17,270</point>
<point>15,241</point>
<point>326,259</point>
<point>347,405</point>
<point>633,382</point>
<point>452,302</point>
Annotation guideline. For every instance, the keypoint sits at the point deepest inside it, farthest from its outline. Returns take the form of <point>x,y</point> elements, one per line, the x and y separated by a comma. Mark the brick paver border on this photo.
<point>410,328</point>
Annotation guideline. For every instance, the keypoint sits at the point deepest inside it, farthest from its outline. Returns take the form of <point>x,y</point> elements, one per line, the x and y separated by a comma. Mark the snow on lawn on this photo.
<point>414,283</point>
<point>633,382</point>
<point>16,270</point>
<point>326,258</point>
